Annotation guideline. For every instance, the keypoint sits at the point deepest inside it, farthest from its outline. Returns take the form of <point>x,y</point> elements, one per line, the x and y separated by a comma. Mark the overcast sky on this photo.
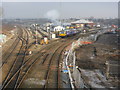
<point>61,9</point>
<point>60,0</point>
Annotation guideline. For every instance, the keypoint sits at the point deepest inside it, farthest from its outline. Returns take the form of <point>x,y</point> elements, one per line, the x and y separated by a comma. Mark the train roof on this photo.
<point>69,29</point>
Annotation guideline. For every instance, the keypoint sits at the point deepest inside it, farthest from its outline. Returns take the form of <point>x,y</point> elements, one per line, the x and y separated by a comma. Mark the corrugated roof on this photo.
<point>82,21</point>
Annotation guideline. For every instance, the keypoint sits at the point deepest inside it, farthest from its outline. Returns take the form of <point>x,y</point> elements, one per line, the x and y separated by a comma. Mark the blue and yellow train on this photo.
<point>65,33</point>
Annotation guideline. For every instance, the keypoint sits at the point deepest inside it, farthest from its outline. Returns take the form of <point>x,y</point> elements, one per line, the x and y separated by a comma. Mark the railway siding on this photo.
<point>42,65</point>
<point>18,61</point>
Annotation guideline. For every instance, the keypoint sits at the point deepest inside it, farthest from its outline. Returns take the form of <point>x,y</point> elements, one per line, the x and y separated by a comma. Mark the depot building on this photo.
<point>82,23</point>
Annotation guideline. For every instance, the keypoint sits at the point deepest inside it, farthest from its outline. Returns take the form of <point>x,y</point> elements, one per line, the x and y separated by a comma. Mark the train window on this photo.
<point>61,32</point>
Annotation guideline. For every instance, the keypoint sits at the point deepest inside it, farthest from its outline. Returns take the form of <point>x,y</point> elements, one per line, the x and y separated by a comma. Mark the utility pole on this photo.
<point>36,33</point>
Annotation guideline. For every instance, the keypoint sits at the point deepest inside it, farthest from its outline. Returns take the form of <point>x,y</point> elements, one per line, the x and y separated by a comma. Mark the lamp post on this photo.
<point>35,26</point>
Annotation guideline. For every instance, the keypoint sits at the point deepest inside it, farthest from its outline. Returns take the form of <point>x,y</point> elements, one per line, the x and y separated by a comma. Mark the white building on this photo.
<point>58,28</point>
<point>2,38</point>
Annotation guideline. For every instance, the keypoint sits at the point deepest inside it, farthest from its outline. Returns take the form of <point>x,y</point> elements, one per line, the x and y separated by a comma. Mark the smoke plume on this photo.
<point>53,15</point>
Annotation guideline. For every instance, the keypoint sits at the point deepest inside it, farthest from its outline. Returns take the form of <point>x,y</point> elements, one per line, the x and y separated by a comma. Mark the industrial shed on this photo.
<point>83,23</point>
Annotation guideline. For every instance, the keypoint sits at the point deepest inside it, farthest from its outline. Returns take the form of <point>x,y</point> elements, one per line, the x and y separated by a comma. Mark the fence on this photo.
<point>75,76</point>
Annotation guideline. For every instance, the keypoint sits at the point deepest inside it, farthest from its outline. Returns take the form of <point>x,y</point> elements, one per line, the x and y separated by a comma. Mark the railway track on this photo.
<point>48,58</point>
<point>53,76</point>
<point>17,62</point>
<point>26,65</point>
<point>11,49</point>
<point>54,64</point>
<point>17,75</point>
<point>41,33</point>
<point>16,65</point>
<point>14,79</point>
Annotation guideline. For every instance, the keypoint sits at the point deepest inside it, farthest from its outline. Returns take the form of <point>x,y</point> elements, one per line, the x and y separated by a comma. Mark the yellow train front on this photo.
<point>62,34</point>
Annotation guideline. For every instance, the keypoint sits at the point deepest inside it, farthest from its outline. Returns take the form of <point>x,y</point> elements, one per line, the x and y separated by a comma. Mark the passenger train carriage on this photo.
<point>66,33</point>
